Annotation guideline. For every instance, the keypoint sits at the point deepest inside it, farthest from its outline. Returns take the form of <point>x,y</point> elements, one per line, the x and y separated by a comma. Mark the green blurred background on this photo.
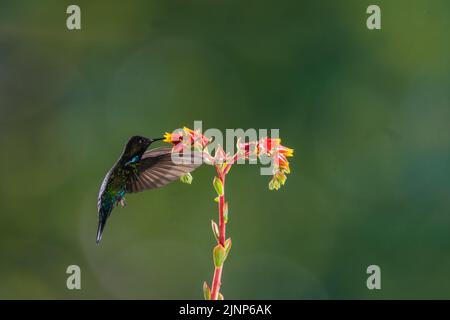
<point>367,113</point>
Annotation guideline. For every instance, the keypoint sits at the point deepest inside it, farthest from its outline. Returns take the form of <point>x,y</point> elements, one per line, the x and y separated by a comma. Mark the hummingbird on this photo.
<point>137,169</point>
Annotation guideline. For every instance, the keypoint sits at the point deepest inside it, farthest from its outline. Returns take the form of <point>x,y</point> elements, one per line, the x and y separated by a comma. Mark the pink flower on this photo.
<point>220,156</point>
<point>185,139</point>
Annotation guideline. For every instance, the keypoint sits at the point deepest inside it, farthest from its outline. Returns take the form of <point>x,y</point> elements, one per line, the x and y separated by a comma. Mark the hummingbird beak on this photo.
<point>157,139</point>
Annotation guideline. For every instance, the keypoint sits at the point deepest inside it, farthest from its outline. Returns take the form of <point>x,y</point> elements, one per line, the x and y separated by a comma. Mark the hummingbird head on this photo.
<point>137,145</point>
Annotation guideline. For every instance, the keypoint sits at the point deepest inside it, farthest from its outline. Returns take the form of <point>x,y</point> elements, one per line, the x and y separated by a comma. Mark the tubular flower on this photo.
<point>267,145</point>
<point>245,149</point>
<point>279,155</point>
<point>220,156</point>
<point>288,152</point>
<point>196,138</point>
<point>185,139</point>
<point>178,140</point>
<point>173,138</point>
<point>281,161</point>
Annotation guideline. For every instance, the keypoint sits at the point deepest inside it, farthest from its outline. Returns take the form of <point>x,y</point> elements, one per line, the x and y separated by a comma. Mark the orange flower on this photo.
<point>174,138</point>
<point>277,181</point>
<point>188,136</point>
<point>266,145</point>
<point>279,154</point>
<point>186,139</point>
<point>288,152</point>
<point>281,160</point>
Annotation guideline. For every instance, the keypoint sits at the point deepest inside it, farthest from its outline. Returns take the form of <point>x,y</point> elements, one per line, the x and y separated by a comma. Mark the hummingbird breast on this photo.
<point>112,189</point>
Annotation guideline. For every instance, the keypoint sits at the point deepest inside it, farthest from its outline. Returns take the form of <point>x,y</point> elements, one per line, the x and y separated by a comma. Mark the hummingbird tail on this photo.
<point>101,225</point>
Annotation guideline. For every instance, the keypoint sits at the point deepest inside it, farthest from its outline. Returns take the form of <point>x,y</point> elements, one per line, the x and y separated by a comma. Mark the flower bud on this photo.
<point>219,255</point>
<point>187,178</point>
<point>215,230</point>
<point>227,247</point>
<point>218,186</point>
<point>206,291</point>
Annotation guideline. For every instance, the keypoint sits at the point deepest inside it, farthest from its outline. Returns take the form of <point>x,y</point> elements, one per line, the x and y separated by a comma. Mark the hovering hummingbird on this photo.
<point>137,170</point>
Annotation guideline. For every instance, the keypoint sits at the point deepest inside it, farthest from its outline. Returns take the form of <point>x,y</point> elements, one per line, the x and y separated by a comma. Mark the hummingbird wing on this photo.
<point>156,169</point>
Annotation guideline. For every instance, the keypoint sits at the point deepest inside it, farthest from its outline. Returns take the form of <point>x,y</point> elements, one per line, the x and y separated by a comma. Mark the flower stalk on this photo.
<point>217,279</point>
<point>187,140</point>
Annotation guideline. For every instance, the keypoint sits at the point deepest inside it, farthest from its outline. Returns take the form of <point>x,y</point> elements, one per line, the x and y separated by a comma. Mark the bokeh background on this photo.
<point>367,113</point>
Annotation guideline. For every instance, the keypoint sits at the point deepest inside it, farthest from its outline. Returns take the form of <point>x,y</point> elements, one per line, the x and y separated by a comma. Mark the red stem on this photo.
<point>222,223</point>
<point>222,229</point>
<point>216,283</point>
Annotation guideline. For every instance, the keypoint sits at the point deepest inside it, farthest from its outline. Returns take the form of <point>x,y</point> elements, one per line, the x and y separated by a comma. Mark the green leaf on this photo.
<point>215,230</point>
<point>219,255</point>
<point>216,199</point>
<point>206,291</point>
<point>218,186</point>
<point>187,178</point>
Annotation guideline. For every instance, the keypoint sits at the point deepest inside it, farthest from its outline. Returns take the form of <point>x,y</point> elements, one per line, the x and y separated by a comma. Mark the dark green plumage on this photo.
<point>135,171</point>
